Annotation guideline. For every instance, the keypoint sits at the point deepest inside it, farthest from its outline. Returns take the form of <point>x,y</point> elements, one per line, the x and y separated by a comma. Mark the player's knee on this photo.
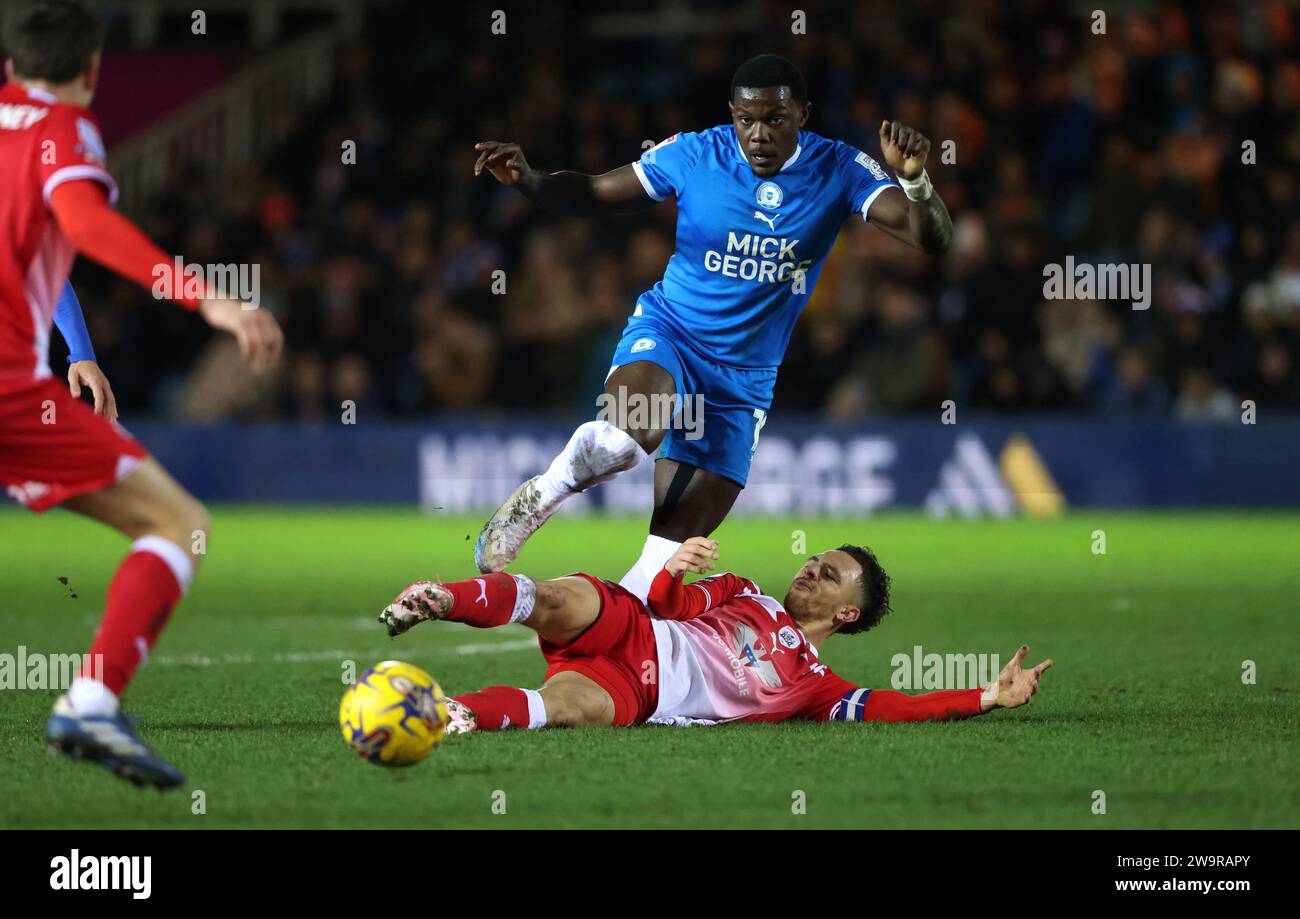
<point>648,439</point>
<point>550,598</point>
<point>186,521</point>
<point>559,711</point>
<point>575,709</point>
<point>198,520</point>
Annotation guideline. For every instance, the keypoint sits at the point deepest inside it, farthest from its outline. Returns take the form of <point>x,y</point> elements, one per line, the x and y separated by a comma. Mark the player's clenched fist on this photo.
<point>904,148</point>
<point>695,555</point>
<point>259,336</point>
<point>505,161</point>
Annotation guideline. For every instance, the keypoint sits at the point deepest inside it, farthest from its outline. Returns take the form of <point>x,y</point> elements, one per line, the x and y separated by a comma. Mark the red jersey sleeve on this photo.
<point>70,147</point>
<point>669,598</point>
<point>856,703</point>
<point>98,232</point>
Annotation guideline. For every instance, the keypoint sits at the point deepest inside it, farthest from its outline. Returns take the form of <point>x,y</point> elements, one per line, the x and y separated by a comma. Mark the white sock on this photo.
<point>174,557</point>
<point>595,453</point>
<point>654,555</point>
<point>536,709</point>
<point>91,697</point>
<point>525,598</point>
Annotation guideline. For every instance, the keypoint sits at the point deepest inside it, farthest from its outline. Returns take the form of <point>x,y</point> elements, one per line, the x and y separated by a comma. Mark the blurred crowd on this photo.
<point>1122,147</point>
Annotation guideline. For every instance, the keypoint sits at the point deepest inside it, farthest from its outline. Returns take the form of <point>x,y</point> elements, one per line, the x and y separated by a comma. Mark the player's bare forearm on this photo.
<point>571,193</point>
<point>924,225</point>
<point>930,224</point>
<point>576,194</point>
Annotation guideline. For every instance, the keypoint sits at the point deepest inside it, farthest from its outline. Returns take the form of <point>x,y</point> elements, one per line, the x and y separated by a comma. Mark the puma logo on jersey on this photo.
<point>482,586</point>
<point>770,221</point>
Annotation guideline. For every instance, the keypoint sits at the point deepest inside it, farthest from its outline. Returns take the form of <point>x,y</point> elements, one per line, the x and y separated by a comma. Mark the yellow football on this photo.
<point>395,714</point>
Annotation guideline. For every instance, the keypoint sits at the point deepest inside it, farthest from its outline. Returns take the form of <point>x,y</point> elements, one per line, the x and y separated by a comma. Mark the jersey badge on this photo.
<point>770,196</point>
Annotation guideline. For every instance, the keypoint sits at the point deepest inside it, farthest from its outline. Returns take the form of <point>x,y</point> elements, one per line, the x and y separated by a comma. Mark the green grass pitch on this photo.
<point>1146,701</point>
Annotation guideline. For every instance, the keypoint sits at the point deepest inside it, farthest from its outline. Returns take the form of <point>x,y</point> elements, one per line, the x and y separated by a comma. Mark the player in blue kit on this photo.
<point>760,202</point>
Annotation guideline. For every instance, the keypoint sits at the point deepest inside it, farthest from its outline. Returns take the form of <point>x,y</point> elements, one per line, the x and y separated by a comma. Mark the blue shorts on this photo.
<point>720,410</point>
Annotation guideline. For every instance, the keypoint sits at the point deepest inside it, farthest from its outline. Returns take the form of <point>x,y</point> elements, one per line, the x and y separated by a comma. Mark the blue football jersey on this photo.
<point>749,249</point>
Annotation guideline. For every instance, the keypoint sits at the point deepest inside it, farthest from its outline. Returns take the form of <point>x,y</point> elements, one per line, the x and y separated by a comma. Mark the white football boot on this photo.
<point>418,603</point>
<point>596,453</point>
<point>460,720</point>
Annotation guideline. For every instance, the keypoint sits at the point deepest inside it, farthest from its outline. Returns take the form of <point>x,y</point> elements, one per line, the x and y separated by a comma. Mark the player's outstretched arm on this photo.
<point>917,215</point>
<point>572,193</point>
<point>98,232</point>
<point>1013,687</point>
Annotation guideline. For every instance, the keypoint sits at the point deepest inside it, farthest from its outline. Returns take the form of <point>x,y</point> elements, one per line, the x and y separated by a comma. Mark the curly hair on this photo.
<point>874,584</point>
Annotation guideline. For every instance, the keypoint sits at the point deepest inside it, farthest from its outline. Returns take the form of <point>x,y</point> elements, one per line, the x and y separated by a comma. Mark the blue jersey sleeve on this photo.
<point>864,179</point>
<point>665,168</point>
<point>72,326</point>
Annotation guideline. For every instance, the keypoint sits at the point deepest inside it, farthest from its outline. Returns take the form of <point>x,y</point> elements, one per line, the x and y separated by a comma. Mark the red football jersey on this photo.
<point>727,652</point>
<point>43,143</point>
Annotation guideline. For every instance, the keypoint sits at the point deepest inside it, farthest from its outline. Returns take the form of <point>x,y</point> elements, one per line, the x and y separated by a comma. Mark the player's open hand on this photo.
<point>259,336</point>
<point>696,554</point>
<point>505,161</point>
<point>1015,684</point>
<point>904,148</point>
<point>88,374</point>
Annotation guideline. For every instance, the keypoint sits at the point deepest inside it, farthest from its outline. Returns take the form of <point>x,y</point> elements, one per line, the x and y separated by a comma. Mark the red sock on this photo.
<point>140,601</point>
<point>488,601</point>
<point>497,707</point>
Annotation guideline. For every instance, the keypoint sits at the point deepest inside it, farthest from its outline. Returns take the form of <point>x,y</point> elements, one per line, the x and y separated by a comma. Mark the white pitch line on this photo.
<point>202,660</point>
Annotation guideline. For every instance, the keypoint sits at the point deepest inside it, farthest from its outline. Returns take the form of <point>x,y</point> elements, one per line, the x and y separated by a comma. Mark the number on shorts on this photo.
<point>761,417</point>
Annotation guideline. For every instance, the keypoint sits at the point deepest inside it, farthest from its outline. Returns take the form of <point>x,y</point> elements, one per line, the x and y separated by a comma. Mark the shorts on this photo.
<point>720,409</point>
<point>618,651</point>
<point>53,446</point>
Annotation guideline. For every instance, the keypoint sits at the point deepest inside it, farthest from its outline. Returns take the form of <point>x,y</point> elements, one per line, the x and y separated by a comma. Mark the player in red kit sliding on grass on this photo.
<point>56,198</point>
<point>715,650</point>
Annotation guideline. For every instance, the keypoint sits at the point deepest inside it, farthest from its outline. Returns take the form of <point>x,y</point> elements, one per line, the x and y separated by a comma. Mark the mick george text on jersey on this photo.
<point>765,259</point>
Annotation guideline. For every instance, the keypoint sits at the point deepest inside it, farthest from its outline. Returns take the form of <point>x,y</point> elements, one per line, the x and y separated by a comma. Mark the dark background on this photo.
<point>1122,147</point>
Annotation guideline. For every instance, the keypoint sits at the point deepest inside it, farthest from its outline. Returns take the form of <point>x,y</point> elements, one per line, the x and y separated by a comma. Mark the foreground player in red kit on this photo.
<point>56,200</point>
<point>715,650</point>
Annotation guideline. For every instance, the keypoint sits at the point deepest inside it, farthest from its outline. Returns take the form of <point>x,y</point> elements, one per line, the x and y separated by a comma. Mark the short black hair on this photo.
<point>874,585</point>
<point>52,40</point>
<point>769,70</point>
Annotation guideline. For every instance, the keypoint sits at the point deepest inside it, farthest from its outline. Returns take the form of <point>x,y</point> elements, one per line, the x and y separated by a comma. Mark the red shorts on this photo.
<point>53,446</point>
<point>618,651</point>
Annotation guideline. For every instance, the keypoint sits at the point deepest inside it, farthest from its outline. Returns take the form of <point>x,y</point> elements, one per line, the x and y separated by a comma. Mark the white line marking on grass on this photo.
<point>308,657</point>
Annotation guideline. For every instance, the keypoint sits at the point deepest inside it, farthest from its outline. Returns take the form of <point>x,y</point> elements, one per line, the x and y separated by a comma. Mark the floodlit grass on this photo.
<point>1145,703</point>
